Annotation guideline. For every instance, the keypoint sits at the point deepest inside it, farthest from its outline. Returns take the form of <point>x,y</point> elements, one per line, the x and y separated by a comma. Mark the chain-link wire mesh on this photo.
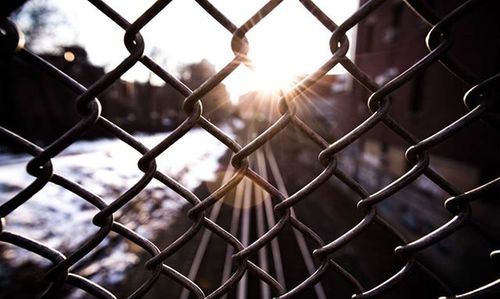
<point>481,100</point>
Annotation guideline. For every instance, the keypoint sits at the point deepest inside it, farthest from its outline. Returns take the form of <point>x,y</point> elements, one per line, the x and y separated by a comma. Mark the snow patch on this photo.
<point>108,167</point>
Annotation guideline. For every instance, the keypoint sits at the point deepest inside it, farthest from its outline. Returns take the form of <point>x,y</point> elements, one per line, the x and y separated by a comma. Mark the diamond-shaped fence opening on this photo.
<point>379,182</point>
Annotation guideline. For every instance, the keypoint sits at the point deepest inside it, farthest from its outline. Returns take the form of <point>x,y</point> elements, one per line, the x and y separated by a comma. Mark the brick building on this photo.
<point>392,39</point>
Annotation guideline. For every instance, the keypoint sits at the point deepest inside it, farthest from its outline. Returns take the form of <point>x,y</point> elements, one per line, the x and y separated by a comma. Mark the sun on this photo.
<point>271,76</point>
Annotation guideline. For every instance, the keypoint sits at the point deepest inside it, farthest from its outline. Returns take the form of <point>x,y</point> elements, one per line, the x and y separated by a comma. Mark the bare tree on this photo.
<point>36,19</point>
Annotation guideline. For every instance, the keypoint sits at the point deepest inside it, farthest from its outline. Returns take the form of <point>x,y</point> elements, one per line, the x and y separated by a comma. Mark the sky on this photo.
<point>288,42</point>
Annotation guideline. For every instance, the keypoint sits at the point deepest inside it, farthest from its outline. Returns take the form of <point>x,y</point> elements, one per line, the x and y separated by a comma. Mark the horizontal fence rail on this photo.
<point>251,178</point>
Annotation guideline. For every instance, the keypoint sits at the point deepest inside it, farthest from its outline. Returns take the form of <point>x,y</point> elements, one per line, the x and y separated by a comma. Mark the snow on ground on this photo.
<point>107,167</point>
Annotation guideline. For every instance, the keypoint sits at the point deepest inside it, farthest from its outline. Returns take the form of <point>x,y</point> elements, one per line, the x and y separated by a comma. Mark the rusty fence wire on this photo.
<point>481,101</point>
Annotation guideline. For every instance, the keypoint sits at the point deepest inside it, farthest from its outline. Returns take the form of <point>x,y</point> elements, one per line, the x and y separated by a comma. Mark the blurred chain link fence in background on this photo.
<point>247,168</point>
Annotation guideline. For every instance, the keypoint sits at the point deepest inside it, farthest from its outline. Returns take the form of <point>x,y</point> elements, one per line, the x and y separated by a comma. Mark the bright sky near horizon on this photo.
<point>290,41</point>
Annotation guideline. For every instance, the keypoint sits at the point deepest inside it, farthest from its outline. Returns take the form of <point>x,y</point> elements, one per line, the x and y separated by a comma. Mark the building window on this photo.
<point>369,40</point>
<point>416,95</point>
<point>397,15</point>
<point>391,32</point>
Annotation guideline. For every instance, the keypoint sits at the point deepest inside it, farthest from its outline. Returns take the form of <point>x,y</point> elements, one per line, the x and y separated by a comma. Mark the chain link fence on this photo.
<point>481,100</point>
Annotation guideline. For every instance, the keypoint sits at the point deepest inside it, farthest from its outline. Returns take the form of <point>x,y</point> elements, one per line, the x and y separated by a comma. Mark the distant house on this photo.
<point>328,104</point>
<point>36,105</point>
<point>41,108</point>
